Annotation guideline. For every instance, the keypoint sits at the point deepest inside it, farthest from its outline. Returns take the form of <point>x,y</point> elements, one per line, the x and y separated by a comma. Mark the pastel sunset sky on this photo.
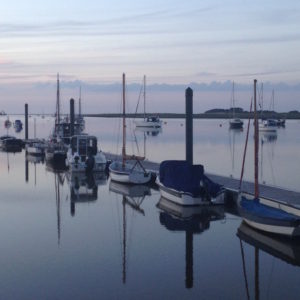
<point>204,44</point>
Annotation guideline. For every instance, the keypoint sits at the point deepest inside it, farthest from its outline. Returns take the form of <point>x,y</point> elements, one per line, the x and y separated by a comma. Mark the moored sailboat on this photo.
<point>260,215</point>
<point>234,122</point>
<point>151,121</point>
<point>125,172</point>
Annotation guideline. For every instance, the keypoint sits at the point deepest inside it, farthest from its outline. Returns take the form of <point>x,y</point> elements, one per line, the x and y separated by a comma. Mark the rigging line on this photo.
<point>139,98</point>
<point>118,131</point>
<point>245,149</point>
<point>244,269</point>
<point>230,147</point>
<point>136,142</point>
<point>272,169</point>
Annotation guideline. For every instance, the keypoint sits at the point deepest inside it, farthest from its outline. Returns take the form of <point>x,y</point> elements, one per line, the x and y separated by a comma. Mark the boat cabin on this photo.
<point>84,145</point>
<point>63,130</point>
<point>153,119</point>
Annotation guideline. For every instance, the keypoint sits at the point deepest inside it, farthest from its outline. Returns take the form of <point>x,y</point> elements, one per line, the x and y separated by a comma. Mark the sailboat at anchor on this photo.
<point>150,121</point>
<point>123,171</point>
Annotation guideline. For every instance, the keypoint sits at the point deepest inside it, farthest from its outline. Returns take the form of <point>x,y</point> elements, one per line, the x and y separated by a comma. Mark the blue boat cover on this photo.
<point>255,208</point>
<point>182,176</point>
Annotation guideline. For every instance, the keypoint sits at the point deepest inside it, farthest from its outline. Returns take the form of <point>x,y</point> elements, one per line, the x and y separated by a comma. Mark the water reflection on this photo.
<point>132,196</point>
<point>192,220</point>
<point>84,187</point>
<point>282,248</point>
<point>233,134</point>
<point>268,137</point>
<point>149,131</point>
<point>267,155</point>
<point>35,159</point>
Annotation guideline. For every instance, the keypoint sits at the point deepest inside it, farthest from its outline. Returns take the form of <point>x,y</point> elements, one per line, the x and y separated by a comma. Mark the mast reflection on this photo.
<point>287,250</point>
<point>59,179</point>
<point>132,196</point>
<point>192,220</point>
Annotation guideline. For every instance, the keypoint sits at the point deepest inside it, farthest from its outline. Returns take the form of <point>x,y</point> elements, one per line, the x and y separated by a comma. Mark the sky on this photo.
<point>206,44</point>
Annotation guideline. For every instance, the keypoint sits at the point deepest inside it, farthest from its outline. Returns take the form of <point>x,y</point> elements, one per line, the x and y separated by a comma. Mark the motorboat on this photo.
<point>186,184</point>
<point>83,154</point>
<point>36,147</point>
<point>11,144</point>
<point>55,154</point>
<point>268,125</point>
<point>18,124</point>
<point>236,123</point>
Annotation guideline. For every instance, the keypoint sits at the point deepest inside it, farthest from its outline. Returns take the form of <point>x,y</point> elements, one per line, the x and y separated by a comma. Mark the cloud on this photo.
<point>214,86</point>
<point>73,27</point>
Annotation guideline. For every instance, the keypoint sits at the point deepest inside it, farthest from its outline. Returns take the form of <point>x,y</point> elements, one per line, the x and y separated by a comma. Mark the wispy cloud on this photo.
<point>109,26</point>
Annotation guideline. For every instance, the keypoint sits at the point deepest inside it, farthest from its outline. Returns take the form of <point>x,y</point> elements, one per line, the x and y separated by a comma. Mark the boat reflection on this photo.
<point>192,220</point>
<point>233,134</point>
<point>54,167</point>
<point>285,249</point>
<point>268,137</point>
<point>35,159</point>
<point>84,187</point>
<point>132,196</point>
<point>150,131</point>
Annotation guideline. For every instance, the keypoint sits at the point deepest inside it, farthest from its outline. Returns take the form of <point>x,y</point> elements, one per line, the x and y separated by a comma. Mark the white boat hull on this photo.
<point>187,199</point>
<point>276,204</point>
<point>127,174</point>
<point>271,227</point>
<point>283,230</point>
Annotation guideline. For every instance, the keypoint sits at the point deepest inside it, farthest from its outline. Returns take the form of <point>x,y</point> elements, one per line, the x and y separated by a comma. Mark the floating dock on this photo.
<point>276,194</point>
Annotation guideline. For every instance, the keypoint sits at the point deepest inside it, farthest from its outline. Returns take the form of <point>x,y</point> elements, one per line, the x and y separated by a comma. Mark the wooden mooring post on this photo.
<point>189,125</point>
<point>26,121</point>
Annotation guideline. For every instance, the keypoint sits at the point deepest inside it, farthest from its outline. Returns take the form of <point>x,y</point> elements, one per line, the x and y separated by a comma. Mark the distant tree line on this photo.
<point>216,113</point>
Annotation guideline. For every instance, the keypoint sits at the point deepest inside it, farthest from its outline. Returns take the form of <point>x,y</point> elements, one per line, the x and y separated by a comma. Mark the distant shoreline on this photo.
<point>244,115</point>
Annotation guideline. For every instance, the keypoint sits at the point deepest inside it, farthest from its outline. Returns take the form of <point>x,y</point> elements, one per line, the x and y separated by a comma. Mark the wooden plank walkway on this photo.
<point>231,184</point>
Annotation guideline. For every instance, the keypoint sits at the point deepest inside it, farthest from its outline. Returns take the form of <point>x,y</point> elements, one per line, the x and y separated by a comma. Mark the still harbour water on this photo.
<point>73,237</point>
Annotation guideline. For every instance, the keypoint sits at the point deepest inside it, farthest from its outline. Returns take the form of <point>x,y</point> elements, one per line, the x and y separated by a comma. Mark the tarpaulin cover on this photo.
<point>181,176</point>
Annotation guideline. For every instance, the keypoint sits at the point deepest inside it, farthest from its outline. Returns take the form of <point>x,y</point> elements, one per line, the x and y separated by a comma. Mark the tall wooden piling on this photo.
<point>72,117</point>
<point>189,125</point>
<point>26,121</point>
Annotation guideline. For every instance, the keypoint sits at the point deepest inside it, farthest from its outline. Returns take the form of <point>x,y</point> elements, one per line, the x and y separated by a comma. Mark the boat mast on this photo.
<point>256,192</point>
<point>233,104</point>
<point>124,125</point>
<point>79,102</point>
<point>57,116</point>
<point>144,97</point>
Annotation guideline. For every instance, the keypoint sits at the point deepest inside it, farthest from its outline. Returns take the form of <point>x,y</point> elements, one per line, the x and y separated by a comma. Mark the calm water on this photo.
<point>65,237</point>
